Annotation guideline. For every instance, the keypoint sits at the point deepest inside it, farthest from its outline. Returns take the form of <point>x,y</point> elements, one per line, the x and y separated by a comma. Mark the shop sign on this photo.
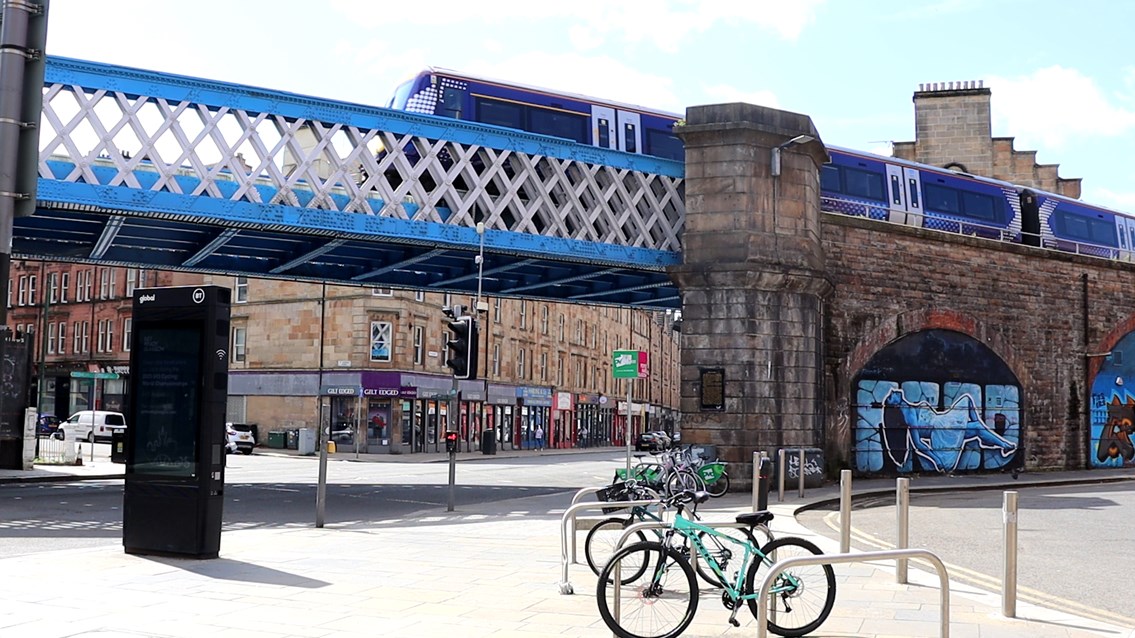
<point>564,401</point>
<point>340,390</point>
<point>382,392</point>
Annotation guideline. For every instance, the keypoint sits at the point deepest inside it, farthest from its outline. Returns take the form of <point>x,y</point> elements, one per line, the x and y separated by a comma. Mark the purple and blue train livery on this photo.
<point>853,183</point>
<point>586,120</point>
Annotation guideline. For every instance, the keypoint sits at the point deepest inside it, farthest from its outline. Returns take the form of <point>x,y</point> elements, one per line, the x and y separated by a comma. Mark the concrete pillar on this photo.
<point>753,281</point>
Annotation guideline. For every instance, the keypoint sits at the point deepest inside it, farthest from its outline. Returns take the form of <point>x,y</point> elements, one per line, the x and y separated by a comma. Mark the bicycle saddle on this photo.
<point>755,518</point>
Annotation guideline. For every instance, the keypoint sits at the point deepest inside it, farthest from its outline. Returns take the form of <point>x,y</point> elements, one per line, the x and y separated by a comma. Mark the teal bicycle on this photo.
<point>601,539</point>
<point>657,593</point>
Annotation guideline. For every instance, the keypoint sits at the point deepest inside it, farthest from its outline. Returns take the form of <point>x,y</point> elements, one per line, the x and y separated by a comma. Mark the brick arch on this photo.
<point>1109,341</point>
<point>901,324</point>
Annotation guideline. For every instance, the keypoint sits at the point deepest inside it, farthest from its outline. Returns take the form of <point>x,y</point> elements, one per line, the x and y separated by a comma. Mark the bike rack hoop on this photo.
<point>569,517</point>
<point>860,557</point>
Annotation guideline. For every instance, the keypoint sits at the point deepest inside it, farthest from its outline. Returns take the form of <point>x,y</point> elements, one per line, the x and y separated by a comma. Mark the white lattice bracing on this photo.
<point>308,163</point>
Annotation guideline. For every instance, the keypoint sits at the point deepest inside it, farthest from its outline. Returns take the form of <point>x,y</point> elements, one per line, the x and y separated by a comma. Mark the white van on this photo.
<point>88,425</point>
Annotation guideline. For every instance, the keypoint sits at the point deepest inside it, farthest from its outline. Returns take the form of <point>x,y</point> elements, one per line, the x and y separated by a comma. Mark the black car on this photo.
<point>652,441</point>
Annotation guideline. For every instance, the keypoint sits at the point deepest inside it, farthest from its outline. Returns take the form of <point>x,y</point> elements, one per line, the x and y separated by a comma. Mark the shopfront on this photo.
<point>564,429</point>
<point>470,421</point>
<point>500,410</point>
<point>592,420</point>
<point>344,400</point>
<point>387,405</point>
<point>534,412</point>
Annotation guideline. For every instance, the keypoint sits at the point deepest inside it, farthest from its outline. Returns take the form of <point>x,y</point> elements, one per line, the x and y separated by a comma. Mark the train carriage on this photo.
<point>586,120</point>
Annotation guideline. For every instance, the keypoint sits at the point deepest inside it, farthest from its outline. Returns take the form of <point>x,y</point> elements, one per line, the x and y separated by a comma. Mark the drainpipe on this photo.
<point>1085,405</point>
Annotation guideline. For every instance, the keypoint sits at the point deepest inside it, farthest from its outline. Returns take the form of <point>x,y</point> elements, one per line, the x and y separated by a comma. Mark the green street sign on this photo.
<point>94,375</point>
<point>630,364</point>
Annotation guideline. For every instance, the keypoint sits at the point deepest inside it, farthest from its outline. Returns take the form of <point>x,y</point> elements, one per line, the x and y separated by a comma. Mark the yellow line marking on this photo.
<point>986,581</point>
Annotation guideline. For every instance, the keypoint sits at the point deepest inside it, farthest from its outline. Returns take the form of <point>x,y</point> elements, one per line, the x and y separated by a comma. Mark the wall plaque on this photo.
<point>712,389</point>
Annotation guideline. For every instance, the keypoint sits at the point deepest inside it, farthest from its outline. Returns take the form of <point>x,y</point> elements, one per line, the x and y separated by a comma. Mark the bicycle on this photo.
<point>660,601</point>
<point>601,539</point>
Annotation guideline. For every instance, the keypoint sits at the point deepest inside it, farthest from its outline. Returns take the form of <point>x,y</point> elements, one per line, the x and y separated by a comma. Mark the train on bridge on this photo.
<point>853,183</point>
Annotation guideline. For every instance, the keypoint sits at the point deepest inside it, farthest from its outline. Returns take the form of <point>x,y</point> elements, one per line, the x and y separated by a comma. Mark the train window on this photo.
<point>451,102</point>
<point>980,206</point>
<point>864,184</point>
<point>941,199</point>
<point>401,95</point>
<point>604,133</point>
<point>500,113</point>
<point>896,190</point>
<point>629,139</point>
<point>1088,229</point>
<point>663,144</point>
<point>557,123</point>
<point>829,179</point>
<point>913,186</point>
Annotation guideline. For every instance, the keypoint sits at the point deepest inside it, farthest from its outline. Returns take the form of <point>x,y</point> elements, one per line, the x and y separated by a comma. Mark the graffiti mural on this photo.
<point>1113,409</point>
<point>936,401</point>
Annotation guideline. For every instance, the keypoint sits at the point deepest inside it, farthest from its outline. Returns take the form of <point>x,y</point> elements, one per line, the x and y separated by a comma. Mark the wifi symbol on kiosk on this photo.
<point>220,354</point>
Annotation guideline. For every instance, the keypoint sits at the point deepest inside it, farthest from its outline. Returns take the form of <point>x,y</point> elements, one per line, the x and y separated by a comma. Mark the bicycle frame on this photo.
<point>690,529</point>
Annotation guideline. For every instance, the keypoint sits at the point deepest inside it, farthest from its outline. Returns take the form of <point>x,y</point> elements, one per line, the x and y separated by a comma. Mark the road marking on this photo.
<point>991,583</point>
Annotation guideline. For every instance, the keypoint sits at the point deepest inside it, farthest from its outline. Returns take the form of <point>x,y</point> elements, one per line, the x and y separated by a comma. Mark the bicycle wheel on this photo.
<point>719,487</point>
<point>660,603</point>
<point>802,597</point>
<point>600,543</point>
<point>681,481</point>
<point>729,556</point>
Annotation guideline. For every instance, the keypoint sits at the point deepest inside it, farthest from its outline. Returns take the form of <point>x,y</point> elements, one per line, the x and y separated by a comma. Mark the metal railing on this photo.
<point>862,557</point>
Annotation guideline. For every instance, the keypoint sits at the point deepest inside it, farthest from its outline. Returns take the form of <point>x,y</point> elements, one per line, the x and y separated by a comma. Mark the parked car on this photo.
<point>91,425</point>
<point>47,425</point>
<point>240,438</point>
<point>652,441</point>
<point>343,432</point>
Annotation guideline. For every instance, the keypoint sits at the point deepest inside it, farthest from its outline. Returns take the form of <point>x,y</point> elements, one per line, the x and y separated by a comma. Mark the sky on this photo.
<point>1062,74</point>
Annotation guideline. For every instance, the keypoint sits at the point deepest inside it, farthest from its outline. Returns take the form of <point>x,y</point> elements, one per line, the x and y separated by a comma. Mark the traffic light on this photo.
<point>451,442</point>
<point>461,357</point>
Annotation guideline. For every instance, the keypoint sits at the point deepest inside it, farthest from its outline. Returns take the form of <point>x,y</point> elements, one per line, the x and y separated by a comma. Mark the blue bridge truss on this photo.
<point>147,169</point>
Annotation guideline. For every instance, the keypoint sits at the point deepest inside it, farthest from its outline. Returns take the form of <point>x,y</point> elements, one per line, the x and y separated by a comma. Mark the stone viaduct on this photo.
<point>872,341</point>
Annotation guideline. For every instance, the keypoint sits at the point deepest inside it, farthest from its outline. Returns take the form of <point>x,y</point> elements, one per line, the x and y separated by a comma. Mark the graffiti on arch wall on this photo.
<point>936,401</point>
<point>1113,408</point>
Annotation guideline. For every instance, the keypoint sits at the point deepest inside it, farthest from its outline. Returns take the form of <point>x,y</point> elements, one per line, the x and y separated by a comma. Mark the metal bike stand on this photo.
<point>861,557</point>
<point>569,516</point>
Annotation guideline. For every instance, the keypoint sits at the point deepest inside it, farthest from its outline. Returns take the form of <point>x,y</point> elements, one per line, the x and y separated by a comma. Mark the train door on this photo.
<point>904,192</point>
<point>603,127</point>
<point>1125,228</point>
<point>630,132</point>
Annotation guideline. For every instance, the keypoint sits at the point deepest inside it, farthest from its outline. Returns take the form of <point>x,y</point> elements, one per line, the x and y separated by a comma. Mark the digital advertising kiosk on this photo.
<point>175,425</point>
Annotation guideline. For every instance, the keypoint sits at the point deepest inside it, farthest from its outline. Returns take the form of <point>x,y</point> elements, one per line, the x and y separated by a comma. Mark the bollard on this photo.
<point>902,539</point>
<point>844,511</point>
<point>1009,577</point>
<point>760,481</point>
<point>782,472</point>
<point>800,472</point>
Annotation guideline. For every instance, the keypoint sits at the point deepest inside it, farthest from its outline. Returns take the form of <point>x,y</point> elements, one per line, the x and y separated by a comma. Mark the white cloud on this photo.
<point>1111,199</point>
<point>1054,106</point>
<point>591,23</point>
<point>597,76</point>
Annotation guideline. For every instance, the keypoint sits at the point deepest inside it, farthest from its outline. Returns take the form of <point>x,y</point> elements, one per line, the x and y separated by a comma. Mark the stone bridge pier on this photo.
<point>753,283</point>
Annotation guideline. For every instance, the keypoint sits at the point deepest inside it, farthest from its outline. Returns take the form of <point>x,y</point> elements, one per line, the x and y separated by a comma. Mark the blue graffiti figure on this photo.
<point>942,437</point>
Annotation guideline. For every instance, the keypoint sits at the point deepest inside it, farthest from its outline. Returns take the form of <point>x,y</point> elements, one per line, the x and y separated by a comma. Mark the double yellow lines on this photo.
<point>989,583</point>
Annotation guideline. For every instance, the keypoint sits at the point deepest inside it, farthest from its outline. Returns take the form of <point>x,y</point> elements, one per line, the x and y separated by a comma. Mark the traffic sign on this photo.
<point>94,375</point>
